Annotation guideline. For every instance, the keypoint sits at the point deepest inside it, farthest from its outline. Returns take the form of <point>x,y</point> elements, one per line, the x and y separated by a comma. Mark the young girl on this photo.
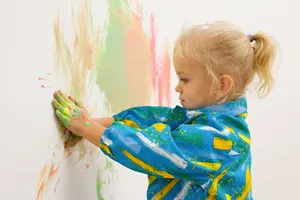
<point>202,149</point>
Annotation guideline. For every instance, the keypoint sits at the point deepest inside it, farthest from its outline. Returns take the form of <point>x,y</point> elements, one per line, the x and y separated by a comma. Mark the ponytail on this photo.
<point>264,55</point>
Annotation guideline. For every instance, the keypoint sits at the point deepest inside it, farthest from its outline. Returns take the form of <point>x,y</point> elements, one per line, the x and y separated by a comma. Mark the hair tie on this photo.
<point>250,37</point>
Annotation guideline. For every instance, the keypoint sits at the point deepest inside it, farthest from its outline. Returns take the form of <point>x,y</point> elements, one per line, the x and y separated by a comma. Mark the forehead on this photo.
<point>186,68</point>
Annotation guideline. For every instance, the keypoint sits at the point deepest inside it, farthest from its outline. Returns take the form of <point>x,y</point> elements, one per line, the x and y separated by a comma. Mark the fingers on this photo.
<point>67,100</point>
<point>75,102</point>
<point>63,128</point>
<point>60,99</point>
<point>62,109</point>
<point>63,118</point>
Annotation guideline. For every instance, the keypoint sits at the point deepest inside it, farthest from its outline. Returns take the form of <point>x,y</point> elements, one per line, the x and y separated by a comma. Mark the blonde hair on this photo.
<point>221,48</point>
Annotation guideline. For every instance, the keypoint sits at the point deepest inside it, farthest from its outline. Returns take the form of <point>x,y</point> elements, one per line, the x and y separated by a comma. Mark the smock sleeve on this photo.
<point>193,152</point>
<point>144,116</point>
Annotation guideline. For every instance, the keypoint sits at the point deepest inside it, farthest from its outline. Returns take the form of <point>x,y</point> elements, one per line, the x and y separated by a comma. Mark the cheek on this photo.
<point>202,90</point>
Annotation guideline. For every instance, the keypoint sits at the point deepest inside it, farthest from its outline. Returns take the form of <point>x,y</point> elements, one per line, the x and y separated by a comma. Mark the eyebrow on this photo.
<point>181,74</point>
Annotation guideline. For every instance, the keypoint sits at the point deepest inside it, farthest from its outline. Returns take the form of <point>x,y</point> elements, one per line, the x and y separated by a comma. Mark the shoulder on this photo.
<point>222,123</point>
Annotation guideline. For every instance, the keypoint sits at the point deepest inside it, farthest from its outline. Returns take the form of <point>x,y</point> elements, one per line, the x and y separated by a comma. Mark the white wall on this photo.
<point>29,136</point>
<point>25,48</point>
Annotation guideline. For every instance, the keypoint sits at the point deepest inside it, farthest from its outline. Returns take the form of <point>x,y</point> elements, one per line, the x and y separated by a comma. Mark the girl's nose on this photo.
<point>178,88</point>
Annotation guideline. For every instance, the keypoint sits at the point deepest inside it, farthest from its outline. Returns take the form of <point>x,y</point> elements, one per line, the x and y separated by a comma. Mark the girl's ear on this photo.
<point>226,84</point>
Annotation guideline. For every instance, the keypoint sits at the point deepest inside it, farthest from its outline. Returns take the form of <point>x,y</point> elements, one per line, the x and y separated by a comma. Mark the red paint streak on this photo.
<point>44,86</point>
<point>167,75</point>
<point>164,78</point>
<point>160,68</point>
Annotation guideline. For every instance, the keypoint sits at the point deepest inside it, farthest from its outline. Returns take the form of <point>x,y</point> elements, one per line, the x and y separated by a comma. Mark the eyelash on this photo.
<point>184,80</point>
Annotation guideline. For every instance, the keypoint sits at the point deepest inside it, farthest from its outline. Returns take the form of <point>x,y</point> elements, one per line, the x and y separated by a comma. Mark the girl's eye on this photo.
<point>184,80</point>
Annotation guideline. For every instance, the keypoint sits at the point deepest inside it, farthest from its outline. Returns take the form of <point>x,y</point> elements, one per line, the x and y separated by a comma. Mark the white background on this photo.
<point>26,53</point>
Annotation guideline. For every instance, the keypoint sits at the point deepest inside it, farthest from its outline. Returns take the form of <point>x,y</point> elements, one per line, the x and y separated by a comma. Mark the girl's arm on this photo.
<point>194,152</point>
<point>105,121</point>
<point>144,116</point>
<point>94,131</point>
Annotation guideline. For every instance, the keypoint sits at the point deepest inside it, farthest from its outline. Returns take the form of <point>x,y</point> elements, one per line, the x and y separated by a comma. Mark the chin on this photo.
<point>190,107</point>
<point>184,105</point>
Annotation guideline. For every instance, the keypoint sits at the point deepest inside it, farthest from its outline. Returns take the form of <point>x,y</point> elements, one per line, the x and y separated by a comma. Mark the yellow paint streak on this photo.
<point>245,114</point>
<point>106,149</point>
<point>245,139</point>
<point>165,190</point>
<point>67,112</point>
<point>151,179</point>
<point>159,127</point>
<point>211,198</point>
<point>228,197</point>
<point>181,131</point>
<point>222,144</point>
<point>145,165</point>
<point>247,187</point>
<point>213,190</point>
<point>131,123</point>
<point>230,129</point>
<point>209,165</point>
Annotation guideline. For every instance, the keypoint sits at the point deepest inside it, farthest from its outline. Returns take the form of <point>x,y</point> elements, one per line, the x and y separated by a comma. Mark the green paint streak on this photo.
<point>99,185</point>
<point>64,119</point>
<point>87,123</point>
<point>192,138</point>
<point>111,65</point>
<point>109,164</point>
<point>77,112</point>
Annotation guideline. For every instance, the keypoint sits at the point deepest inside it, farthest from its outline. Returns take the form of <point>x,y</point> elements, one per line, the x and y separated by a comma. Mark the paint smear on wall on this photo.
<point>106,177</point>
<point>49,178</point>
<point>109,63</point>
<point>129,70</point>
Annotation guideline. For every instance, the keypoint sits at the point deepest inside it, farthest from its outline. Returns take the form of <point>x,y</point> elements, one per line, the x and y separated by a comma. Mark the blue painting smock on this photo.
<point>187,154</point>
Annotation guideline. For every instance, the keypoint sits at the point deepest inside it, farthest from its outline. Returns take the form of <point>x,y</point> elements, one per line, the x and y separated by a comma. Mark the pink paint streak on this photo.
<point>160,69</point>
<point>153,53</point>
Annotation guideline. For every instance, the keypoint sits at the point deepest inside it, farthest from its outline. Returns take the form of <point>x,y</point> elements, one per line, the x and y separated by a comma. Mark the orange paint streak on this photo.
<point>138,63</point>
<point>81,156</point>
<point>41,182</point>
<point>53,171</point>
<point>56,184</point>
<point>68,154</point>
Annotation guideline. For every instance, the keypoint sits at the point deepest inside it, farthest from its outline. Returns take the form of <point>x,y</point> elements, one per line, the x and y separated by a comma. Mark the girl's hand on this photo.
<point>70,114</point>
